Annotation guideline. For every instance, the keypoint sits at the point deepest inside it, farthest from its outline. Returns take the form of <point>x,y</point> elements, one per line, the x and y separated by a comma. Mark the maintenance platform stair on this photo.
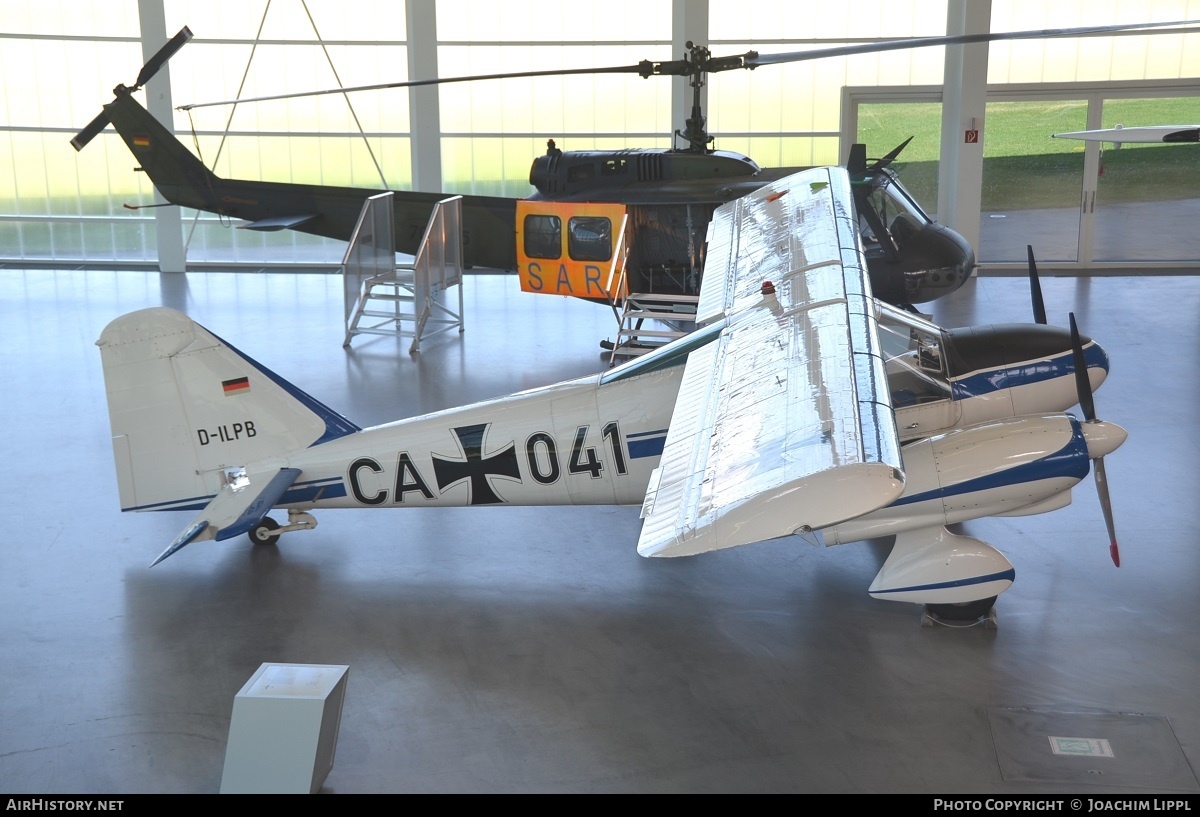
<point>649,320</point>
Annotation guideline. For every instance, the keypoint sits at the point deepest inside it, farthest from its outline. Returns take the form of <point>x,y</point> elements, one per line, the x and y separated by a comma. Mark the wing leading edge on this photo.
<point>784,424</point>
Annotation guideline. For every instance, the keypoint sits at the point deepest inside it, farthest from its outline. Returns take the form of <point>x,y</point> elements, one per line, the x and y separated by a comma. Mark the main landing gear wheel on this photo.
<point>963,614</point>
<point>264,533</point>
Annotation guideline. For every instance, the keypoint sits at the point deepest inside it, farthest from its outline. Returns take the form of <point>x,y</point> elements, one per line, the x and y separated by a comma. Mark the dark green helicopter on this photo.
<point>666,196</point>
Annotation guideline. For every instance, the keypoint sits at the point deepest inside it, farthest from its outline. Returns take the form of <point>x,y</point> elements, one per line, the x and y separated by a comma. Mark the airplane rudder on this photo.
<point>155,461</point>
<point>185,407</point>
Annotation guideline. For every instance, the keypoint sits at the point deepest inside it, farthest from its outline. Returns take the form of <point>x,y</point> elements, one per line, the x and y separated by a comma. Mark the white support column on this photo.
<point>964,102</point>
<point>168,222</point>
<point>424,114</point>
<point>689,23</point>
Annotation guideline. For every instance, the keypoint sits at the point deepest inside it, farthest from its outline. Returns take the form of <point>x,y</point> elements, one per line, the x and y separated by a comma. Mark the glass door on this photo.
<point>1079,204</point>
<point>1146,201</point>
<point>1032,183</point>
<point>883,126</point>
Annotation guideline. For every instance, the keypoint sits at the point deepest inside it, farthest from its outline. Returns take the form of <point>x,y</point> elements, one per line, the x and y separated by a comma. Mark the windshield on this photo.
<point>890,199</point>
<point>912,353</point>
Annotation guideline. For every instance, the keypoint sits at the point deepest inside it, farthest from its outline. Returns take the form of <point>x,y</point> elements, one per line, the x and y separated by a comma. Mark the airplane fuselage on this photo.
<point>596,440</point>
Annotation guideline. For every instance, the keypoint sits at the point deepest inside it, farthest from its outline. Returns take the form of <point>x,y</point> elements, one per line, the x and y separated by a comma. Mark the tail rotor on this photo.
<point>152,67</point>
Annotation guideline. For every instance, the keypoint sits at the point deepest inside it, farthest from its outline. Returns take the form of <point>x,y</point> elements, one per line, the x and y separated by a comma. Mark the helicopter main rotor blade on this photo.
<point>958,39</point>
<point>417,83</point>
<point>703,63</point>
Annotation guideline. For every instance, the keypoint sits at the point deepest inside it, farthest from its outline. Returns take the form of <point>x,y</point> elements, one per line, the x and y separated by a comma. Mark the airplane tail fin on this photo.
<point>188,412</point>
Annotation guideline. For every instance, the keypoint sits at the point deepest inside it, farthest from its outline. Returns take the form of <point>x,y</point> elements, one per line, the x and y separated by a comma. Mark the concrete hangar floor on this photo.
<point>512,650</point>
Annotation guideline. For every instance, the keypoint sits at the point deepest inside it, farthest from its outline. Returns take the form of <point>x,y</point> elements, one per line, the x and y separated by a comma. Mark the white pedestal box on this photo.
<point>284,729</point>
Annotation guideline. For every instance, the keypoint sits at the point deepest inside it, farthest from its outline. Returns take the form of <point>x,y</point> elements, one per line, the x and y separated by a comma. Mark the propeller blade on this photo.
<point>956,39</point>
<point>1035,289</point>
<point>1106,507</point>
<point>90,131</point>
<point>1084,386</point>
<point>163,54</point>
<point>702,63</point>
<point>1083,383</point>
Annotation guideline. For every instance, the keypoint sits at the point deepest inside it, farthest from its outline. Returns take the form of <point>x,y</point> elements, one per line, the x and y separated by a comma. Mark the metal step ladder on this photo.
<point>382,294</point>
<point>650,320</point>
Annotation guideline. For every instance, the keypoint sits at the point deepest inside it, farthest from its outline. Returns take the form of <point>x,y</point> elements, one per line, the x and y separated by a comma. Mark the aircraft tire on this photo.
<point>963,611</point>
<point>264,532</point>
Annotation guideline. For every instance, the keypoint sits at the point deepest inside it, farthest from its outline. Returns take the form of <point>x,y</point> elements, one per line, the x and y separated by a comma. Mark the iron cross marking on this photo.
<point>476,467</point>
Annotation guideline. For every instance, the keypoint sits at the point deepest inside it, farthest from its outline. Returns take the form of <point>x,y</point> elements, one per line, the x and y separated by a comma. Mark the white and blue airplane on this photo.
<point>800,406</point>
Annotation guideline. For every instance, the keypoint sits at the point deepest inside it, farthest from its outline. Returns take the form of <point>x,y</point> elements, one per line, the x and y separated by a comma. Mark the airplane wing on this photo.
<point>1149,133</point>
<point>237,507</point>
<point>784,424</point>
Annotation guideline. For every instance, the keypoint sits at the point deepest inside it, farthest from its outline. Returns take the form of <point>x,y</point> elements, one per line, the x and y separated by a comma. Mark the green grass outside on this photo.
<point>1025,168</point>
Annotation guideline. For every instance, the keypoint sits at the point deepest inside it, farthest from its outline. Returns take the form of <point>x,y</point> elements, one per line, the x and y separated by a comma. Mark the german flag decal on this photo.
<point>236,386</point>
<point>140,141</point>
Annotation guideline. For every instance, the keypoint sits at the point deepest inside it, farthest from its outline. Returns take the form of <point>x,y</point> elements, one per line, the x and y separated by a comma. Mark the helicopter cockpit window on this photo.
<point>896,208</point>
<point>543,236</point>
<point>581,173</point>
<point>913,358</point>
<point>589,238</point>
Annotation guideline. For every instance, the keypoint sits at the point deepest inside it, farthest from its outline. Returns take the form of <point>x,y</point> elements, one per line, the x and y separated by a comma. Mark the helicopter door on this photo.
<point>570,248</point>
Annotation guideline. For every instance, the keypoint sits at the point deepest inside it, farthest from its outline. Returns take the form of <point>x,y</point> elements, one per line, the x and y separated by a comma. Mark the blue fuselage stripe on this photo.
<point>1007,377</point>
<point>328,488</point>
<point>646,444</point>
<point>1069,461</point>
<point>1005,575</point>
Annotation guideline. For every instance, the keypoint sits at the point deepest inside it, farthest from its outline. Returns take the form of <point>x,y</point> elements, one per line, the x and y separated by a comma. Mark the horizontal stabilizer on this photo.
<point>784,424</point>
<point>190,534</point>
<point>270,225</point>
<point>239,506</point>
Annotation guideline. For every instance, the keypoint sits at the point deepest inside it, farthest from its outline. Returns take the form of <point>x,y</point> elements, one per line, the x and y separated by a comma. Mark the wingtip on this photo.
<point>1115,553</point>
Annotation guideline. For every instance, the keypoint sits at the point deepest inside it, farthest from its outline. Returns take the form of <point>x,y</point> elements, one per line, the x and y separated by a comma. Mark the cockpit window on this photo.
<point>913,358</point>
<point>891,201</point>
<point>543,236</point>
<point>589,238</point>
